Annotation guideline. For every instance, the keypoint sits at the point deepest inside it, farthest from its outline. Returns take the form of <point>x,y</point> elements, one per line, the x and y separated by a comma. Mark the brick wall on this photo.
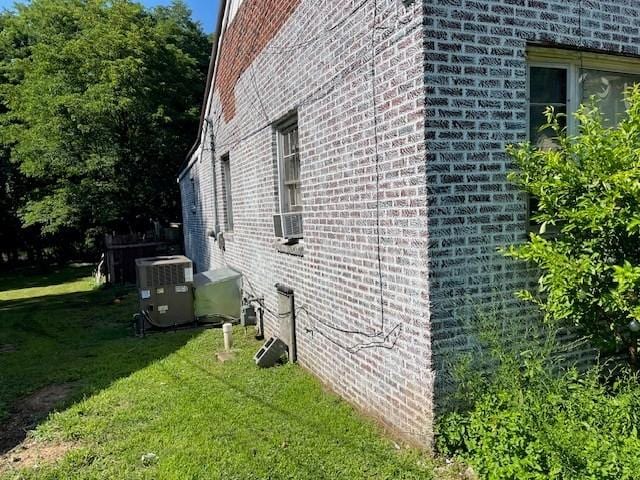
<point>476,104</point>
<point>319,62</point>
<point>442,126</point>
<point>245,39</point>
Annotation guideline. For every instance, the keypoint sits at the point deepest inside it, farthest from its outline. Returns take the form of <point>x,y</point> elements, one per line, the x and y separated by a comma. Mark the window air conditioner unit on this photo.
<point>288,225</point>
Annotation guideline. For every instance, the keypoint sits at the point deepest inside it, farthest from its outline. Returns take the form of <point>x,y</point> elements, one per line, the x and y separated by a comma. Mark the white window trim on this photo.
<point>588,60</point>
<point>573,62</point>
<point>279,128</point>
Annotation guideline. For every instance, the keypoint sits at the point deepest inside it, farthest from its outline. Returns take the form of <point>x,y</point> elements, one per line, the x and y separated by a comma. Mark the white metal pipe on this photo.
<point>228,336</point>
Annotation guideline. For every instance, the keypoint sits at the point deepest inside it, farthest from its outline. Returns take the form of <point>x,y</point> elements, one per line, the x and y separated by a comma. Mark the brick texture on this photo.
<point>253,27</point>
<point>321,63</point>
<point>476,95</point>
<point>449,82</point>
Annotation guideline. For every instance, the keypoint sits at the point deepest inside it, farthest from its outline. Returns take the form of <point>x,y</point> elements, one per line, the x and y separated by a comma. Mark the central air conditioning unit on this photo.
<point>288,225</point>
<point>165,289</point>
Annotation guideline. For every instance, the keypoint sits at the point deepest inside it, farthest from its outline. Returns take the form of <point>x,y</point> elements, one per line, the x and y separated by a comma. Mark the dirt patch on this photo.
<point>32,453</point>
<point>28,411</point>
<point>7,348</point>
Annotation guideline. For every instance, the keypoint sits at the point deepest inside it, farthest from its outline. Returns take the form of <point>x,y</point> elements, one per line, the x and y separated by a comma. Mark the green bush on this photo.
<point>588,193</point>
<point>541,427</point>
<point>530,418</point>
<point>519,412</point>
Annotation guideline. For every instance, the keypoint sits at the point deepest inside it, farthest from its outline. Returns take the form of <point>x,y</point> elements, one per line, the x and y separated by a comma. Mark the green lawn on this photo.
<point>167,395</point>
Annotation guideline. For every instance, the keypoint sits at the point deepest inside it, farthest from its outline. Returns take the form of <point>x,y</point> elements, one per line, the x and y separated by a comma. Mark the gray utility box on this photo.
<point>165,290</point>
<point>218,294</point>
<point>287,320</point>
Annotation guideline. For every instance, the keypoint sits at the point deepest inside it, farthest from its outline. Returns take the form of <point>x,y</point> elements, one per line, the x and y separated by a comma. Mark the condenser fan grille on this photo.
<point>163,271</point>
<point>166,274</point>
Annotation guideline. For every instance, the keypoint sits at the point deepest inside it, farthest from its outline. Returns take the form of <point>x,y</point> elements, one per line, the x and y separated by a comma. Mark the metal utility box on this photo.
<point>218,294</point>
<point>248,316</point>
<point>287,319</point>
<point>165,289</point>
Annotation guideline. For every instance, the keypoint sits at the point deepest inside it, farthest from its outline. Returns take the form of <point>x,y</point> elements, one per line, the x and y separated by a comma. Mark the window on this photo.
<point>565,79</point>
<point>194,193</point>
<point>226,193</point>
<point>608,88</point>
<point>289,167</point>
<point>548,87</point>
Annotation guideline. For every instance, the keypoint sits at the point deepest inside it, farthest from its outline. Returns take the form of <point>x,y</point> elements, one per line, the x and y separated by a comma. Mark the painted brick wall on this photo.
<point>476,97</point>
<point>245,39</point>
<point>320,63</point>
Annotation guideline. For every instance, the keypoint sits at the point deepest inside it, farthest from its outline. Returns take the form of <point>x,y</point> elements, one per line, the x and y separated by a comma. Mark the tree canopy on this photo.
<point>99,102</point>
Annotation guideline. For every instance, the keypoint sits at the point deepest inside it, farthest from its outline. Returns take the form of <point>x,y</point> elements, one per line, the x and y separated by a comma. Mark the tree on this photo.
<point>102,103</point>
<point>588,191</point>
<point>12,183</point>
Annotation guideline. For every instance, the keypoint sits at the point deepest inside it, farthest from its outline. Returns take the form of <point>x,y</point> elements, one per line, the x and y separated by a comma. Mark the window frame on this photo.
<point>281,130</point>
<point>227,200</point>
<point>571,95</point>
<point>194,192</point>
<point>574,62</point>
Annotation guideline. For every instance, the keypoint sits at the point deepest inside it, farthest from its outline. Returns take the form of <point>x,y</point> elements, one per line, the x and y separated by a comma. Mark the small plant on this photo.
<point>533,425</point>
<point>533,417</point>
<point>588,193</point>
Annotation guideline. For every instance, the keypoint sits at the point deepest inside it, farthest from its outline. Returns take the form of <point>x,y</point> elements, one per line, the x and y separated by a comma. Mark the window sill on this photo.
<point>297,249</point>
<point>228,236</point>
<point>550,232</point>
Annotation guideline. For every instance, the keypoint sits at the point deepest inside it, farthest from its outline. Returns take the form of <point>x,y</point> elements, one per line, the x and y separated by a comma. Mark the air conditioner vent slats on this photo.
<point>163,274</point>
<point>288,225</point>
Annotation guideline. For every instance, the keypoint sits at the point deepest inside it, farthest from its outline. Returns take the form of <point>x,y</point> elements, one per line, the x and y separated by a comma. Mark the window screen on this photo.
<point>289,168</point>
<point>547,87</point>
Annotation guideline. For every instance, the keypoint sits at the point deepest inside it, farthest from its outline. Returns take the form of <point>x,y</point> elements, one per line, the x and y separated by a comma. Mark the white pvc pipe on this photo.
<point>228,336</point>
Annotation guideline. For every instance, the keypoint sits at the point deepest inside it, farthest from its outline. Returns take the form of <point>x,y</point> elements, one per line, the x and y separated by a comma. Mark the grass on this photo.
<point>167,395</point>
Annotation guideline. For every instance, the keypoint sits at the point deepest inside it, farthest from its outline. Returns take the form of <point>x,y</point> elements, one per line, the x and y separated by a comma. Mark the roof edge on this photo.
<point>208,88</point>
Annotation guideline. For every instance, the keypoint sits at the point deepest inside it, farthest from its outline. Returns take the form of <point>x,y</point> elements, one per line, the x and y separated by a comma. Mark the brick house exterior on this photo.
<point>403,112</point>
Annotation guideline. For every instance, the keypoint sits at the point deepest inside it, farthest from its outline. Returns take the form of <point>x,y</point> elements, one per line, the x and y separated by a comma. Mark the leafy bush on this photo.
<point>570,427</point>
<point>588,192</point>
<point>529,418</point>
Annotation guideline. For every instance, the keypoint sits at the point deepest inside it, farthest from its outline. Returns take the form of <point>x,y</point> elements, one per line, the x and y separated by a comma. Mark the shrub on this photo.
<point>530,418</point>
<point>588,192</point>
<point>569,427</point>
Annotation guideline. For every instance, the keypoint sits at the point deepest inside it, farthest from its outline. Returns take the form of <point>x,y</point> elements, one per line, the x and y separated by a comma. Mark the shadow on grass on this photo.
<point>83,339</point>
<point>292,417</point>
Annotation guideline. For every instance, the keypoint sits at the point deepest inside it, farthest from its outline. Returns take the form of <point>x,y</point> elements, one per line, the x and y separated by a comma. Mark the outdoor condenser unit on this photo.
<point>165,289</point>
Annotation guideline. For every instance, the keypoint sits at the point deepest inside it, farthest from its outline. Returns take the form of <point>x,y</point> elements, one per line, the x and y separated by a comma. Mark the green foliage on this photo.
<point>530,418</point>
<point>588,192</point>
<point>101,102</point>
<point>544,427</point>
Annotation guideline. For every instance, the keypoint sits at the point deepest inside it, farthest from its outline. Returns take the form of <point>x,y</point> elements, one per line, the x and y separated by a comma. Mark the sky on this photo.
<point>204,11</point>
